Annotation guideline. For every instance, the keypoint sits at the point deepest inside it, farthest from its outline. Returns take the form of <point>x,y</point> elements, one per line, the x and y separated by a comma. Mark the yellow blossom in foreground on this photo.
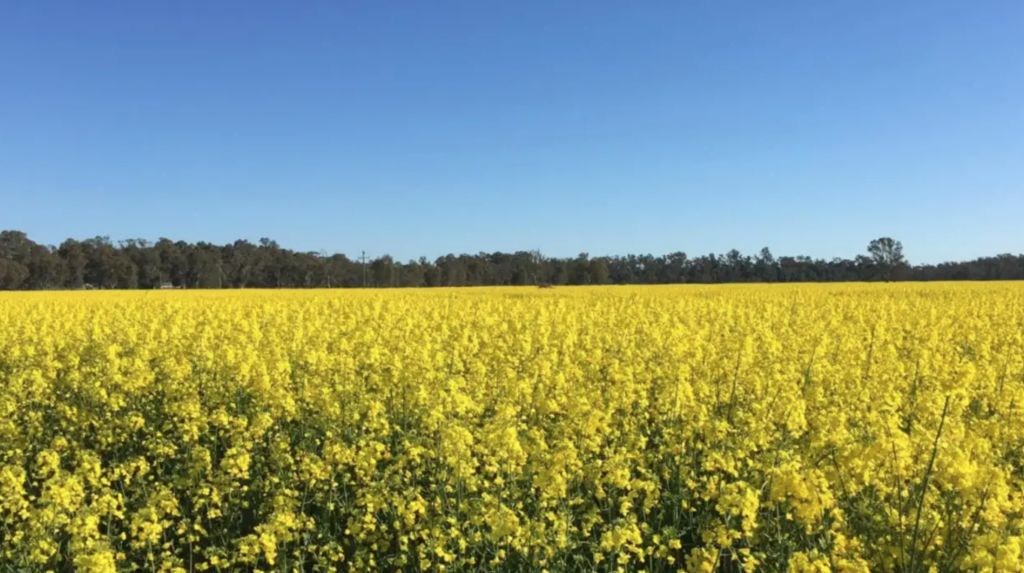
<point>838,427</point>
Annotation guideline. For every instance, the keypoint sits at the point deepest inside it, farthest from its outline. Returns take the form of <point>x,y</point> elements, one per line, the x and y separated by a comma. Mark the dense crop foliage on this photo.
<point>808,428</point>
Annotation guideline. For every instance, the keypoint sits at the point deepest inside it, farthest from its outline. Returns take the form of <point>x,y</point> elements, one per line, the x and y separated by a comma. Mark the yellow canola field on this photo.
<point>683,428</point>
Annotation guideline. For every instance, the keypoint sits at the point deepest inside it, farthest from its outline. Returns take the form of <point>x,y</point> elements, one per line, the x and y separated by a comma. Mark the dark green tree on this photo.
<point>887,257</point>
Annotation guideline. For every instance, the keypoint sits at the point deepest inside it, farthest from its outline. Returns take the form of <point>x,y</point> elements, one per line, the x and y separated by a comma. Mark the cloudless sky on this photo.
<point>422,128</point>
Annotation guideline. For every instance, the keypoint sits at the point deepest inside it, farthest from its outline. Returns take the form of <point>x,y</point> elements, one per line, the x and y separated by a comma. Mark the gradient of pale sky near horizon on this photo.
<point>423,128</point>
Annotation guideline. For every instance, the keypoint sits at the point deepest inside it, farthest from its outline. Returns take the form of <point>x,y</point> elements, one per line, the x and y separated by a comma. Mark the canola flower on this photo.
<point>724,428</point>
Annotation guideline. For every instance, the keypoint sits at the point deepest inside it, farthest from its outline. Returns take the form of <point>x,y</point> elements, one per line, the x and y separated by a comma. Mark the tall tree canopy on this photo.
<point>136,263</point>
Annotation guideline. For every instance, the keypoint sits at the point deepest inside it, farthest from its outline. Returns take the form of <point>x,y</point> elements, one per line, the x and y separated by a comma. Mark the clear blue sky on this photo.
<point>421,128</point>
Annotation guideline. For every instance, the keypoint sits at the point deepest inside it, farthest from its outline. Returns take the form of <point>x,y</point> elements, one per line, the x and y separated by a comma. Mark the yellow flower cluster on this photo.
<point>681,428</point>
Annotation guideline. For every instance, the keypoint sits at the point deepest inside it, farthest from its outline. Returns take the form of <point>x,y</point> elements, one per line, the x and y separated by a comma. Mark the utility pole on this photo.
<point>327,266</point>
<point>363,259</point>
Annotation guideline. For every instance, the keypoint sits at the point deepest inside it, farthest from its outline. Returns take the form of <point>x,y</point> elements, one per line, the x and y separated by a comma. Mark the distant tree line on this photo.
<point>136,263</point>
